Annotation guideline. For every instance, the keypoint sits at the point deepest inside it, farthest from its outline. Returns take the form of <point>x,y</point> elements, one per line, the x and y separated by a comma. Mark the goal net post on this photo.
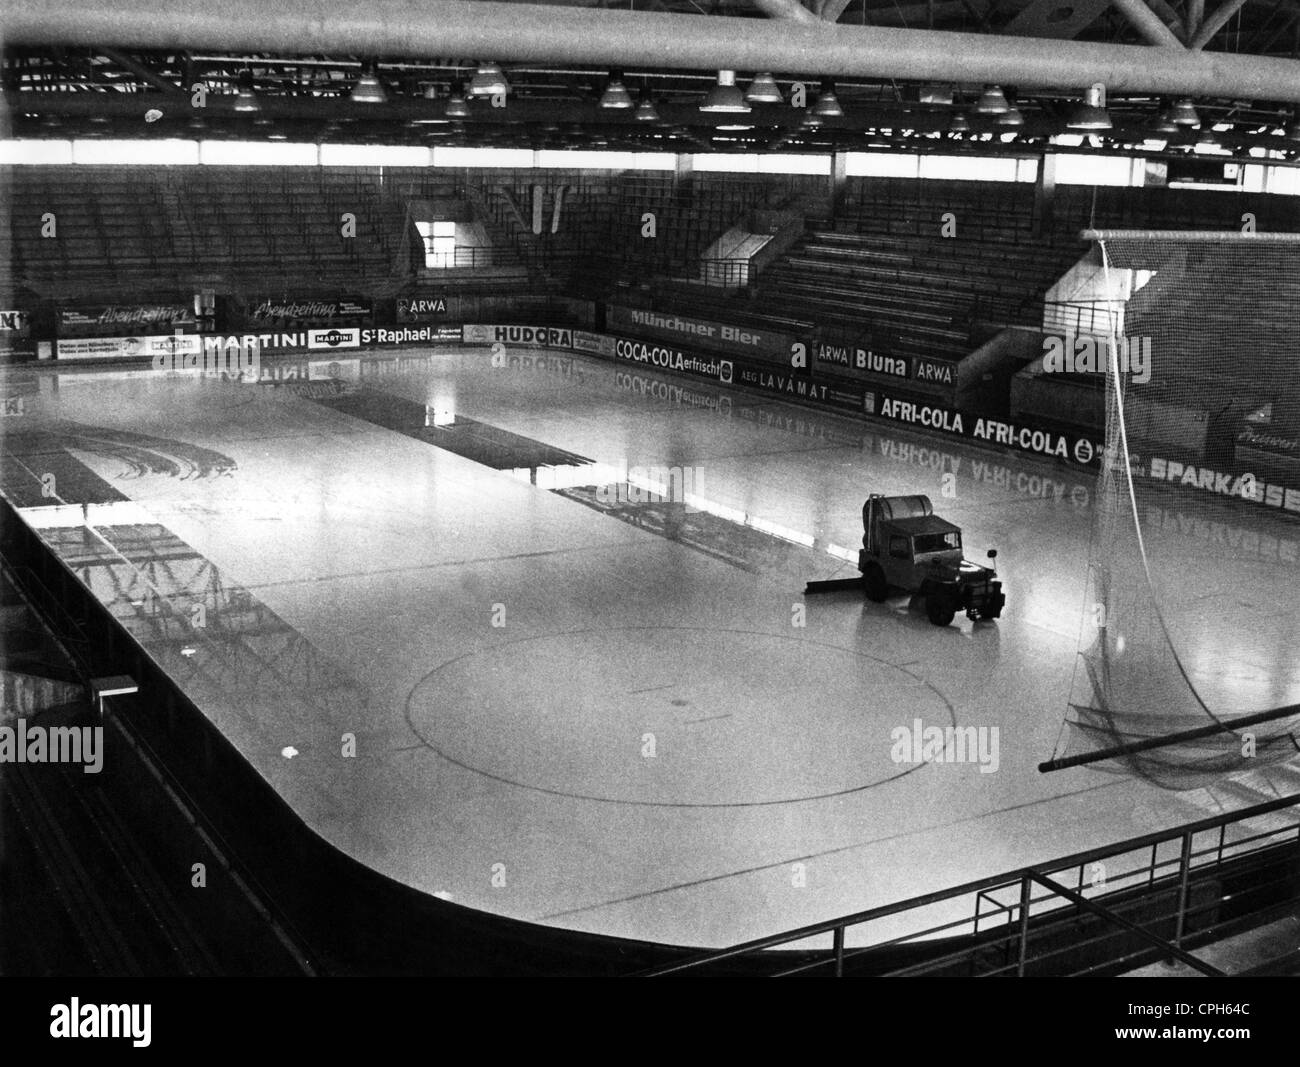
<point>1187,665</point>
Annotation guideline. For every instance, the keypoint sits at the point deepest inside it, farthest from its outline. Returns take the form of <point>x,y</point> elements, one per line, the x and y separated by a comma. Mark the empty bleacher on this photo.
<point>907,267</point>
<point>124,232</point>
<point>1158,208</point>
<point>918,268</point>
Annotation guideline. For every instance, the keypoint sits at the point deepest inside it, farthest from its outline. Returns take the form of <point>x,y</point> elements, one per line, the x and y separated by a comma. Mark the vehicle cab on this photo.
<point>926,543</point>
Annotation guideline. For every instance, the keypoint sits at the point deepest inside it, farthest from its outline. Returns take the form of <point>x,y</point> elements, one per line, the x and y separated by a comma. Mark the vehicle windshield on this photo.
<point>939,542</point>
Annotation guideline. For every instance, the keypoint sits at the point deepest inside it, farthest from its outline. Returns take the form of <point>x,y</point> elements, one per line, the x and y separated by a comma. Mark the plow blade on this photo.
<point>835,585</point>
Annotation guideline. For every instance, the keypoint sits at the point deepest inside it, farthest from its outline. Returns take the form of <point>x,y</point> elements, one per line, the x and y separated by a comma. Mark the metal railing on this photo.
<point>1072,317</point>
<point>1031,921</point>
<point>724,273</point>
<point>478,256</point>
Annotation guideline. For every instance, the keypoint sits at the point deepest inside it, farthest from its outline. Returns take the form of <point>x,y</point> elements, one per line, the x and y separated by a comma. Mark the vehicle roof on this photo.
<point>923,524</point>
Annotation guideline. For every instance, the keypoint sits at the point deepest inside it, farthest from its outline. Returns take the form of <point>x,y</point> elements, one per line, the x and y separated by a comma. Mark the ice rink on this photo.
<point>575,707</point>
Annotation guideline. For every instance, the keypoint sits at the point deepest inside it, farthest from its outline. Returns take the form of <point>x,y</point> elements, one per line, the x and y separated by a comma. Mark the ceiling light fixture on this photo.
<point>615,97</point>
<point>646,111</point>
<point>369,89</point>
<point>935,94</point>
<point>827,104</point>
<point>245,99</point>
<point>725,98</point>
<point>1184,114</point>
<point>1164,123</point>
<point>764,90</point>
<point>1089,114</point>
<point>488,80</point>
<point>992,102</point>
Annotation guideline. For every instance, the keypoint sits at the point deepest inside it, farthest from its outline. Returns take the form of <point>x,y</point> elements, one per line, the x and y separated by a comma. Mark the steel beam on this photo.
<point>785,9</point>
<point>1148,23</point>
<point>1214,23</point>
<point>833,9</point>
<point>1169,17</point>
<point>546,34</point>
<point>142,72</point>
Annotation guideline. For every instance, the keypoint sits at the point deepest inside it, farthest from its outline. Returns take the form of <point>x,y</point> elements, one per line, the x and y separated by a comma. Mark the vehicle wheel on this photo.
<point>874,584</point>
<point>939,609</point>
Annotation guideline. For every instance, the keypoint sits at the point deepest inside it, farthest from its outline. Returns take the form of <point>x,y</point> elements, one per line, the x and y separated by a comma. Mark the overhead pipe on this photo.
<point>556,34</point>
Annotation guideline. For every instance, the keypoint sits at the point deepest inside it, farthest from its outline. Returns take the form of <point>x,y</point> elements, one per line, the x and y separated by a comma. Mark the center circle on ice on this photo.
<point>579,715</point>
